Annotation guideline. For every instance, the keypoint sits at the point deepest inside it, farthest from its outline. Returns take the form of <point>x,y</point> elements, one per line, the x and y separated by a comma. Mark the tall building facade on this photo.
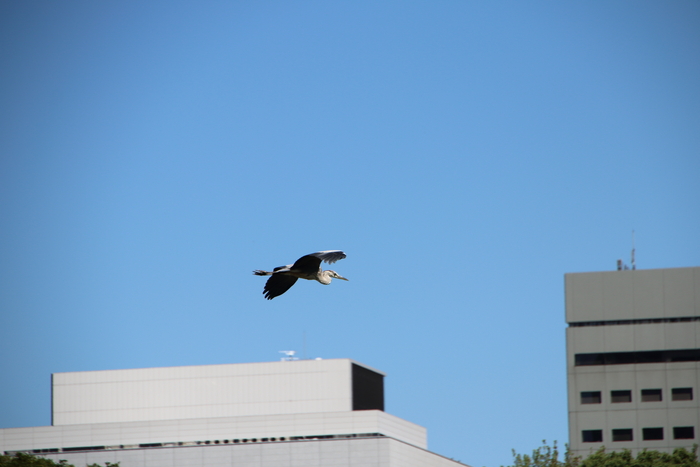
<point>308,413</point>
<point>633,359</point>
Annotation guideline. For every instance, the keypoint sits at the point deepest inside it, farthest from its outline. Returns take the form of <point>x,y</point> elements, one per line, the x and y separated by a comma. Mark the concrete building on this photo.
<point>291,413</point>
<point>633,359</point>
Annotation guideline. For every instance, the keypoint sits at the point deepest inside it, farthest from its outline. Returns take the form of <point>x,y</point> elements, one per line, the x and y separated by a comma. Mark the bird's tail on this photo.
<point>258,272</point>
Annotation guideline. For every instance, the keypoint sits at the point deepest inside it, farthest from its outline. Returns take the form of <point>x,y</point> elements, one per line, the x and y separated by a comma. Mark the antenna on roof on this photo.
<point>289,355</point>
<point>621,266</point>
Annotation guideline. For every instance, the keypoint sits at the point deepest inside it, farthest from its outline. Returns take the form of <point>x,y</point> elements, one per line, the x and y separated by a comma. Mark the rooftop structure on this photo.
<point>303,412</point>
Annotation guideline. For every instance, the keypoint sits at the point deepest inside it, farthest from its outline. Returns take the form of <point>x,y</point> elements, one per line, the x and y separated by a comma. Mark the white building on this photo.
<point>291,413</point>
<point>633,359</point>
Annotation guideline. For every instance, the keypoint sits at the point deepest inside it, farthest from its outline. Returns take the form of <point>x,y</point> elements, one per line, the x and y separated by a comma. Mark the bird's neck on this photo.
<point>324,278</point>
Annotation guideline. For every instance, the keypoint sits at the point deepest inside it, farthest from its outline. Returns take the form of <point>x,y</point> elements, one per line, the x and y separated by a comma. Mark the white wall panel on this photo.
<point>679,299</point>
<point>646,336</point>
<point>648,294</point>
<point>212,429</point>
<point>639,294</point>
<point>584,297</point>
<point>617,338</point>
<point>197,392</point>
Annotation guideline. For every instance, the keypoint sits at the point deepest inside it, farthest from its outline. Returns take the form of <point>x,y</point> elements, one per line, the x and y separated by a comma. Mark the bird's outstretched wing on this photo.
<point>329,256</point>
<point>278,284</point>
<point>311,262</point>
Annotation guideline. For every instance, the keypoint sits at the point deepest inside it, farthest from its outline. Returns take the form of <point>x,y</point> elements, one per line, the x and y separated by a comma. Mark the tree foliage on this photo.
<point>545,456</point>
<point>680,457</point>
<point>21,459</point>
<point>548,456</point>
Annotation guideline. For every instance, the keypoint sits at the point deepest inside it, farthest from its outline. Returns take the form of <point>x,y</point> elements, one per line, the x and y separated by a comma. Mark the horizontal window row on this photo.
<point>194,443</point>
<point>648,434</point>
<point>627,322</point>
<point>644,356</point>
<point>647,395</point>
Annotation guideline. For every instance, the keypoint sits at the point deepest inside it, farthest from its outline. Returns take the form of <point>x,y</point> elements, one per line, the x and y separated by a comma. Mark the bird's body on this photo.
<point>307,267</point>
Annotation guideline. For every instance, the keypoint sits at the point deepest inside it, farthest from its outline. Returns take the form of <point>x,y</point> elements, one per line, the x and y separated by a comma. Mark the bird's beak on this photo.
<point>341,277</point>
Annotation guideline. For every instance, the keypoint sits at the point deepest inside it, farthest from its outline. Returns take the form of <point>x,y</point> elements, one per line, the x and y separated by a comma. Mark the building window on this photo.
<point>650,434</point>
<point>620,396</point>
<point>622,434</point>
<point>682,394</point>
<point>590,397</point>
<point>628,358</point>
<point>592,436</point>
<point>651,395</point>
<point>683,432</point>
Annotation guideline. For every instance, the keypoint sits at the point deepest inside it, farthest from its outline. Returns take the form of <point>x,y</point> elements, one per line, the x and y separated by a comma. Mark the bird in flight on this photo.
<point>307,267</point>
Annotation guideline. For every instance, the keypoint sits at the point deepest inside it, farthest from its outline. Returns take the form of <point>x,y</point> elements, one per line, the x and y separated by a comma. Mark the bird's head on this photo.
<point>335,275</point>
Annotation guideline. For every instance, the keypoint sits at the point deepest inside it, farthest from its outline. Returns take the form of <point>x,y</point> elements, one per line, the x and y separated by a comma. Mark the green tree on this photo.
<point>548,456</point>
<point>545,456</point>
<point>680,457</point>
<point>21,459</point>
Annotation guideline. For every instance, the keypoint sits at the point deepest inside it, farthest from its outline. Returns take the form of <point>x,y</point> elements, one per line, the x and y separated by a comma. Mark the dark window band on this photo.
<point>617,322</point>
<point>626,358</point>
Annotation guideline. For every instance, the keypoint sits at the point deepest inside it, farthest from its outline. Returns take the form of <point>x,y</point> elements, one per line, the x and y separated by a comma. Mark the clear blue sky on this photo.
<point>466,155</point>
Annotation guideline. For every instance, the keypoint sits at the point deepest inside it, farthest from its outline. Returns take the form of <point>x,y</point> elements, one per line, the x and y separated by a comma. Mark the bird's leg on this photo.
<point>258,272</point>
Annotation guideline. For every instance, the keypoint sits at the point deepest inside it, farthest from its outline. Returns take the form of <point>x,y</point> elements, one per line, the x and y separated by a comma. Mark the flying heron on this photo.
<point>307,267</point>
